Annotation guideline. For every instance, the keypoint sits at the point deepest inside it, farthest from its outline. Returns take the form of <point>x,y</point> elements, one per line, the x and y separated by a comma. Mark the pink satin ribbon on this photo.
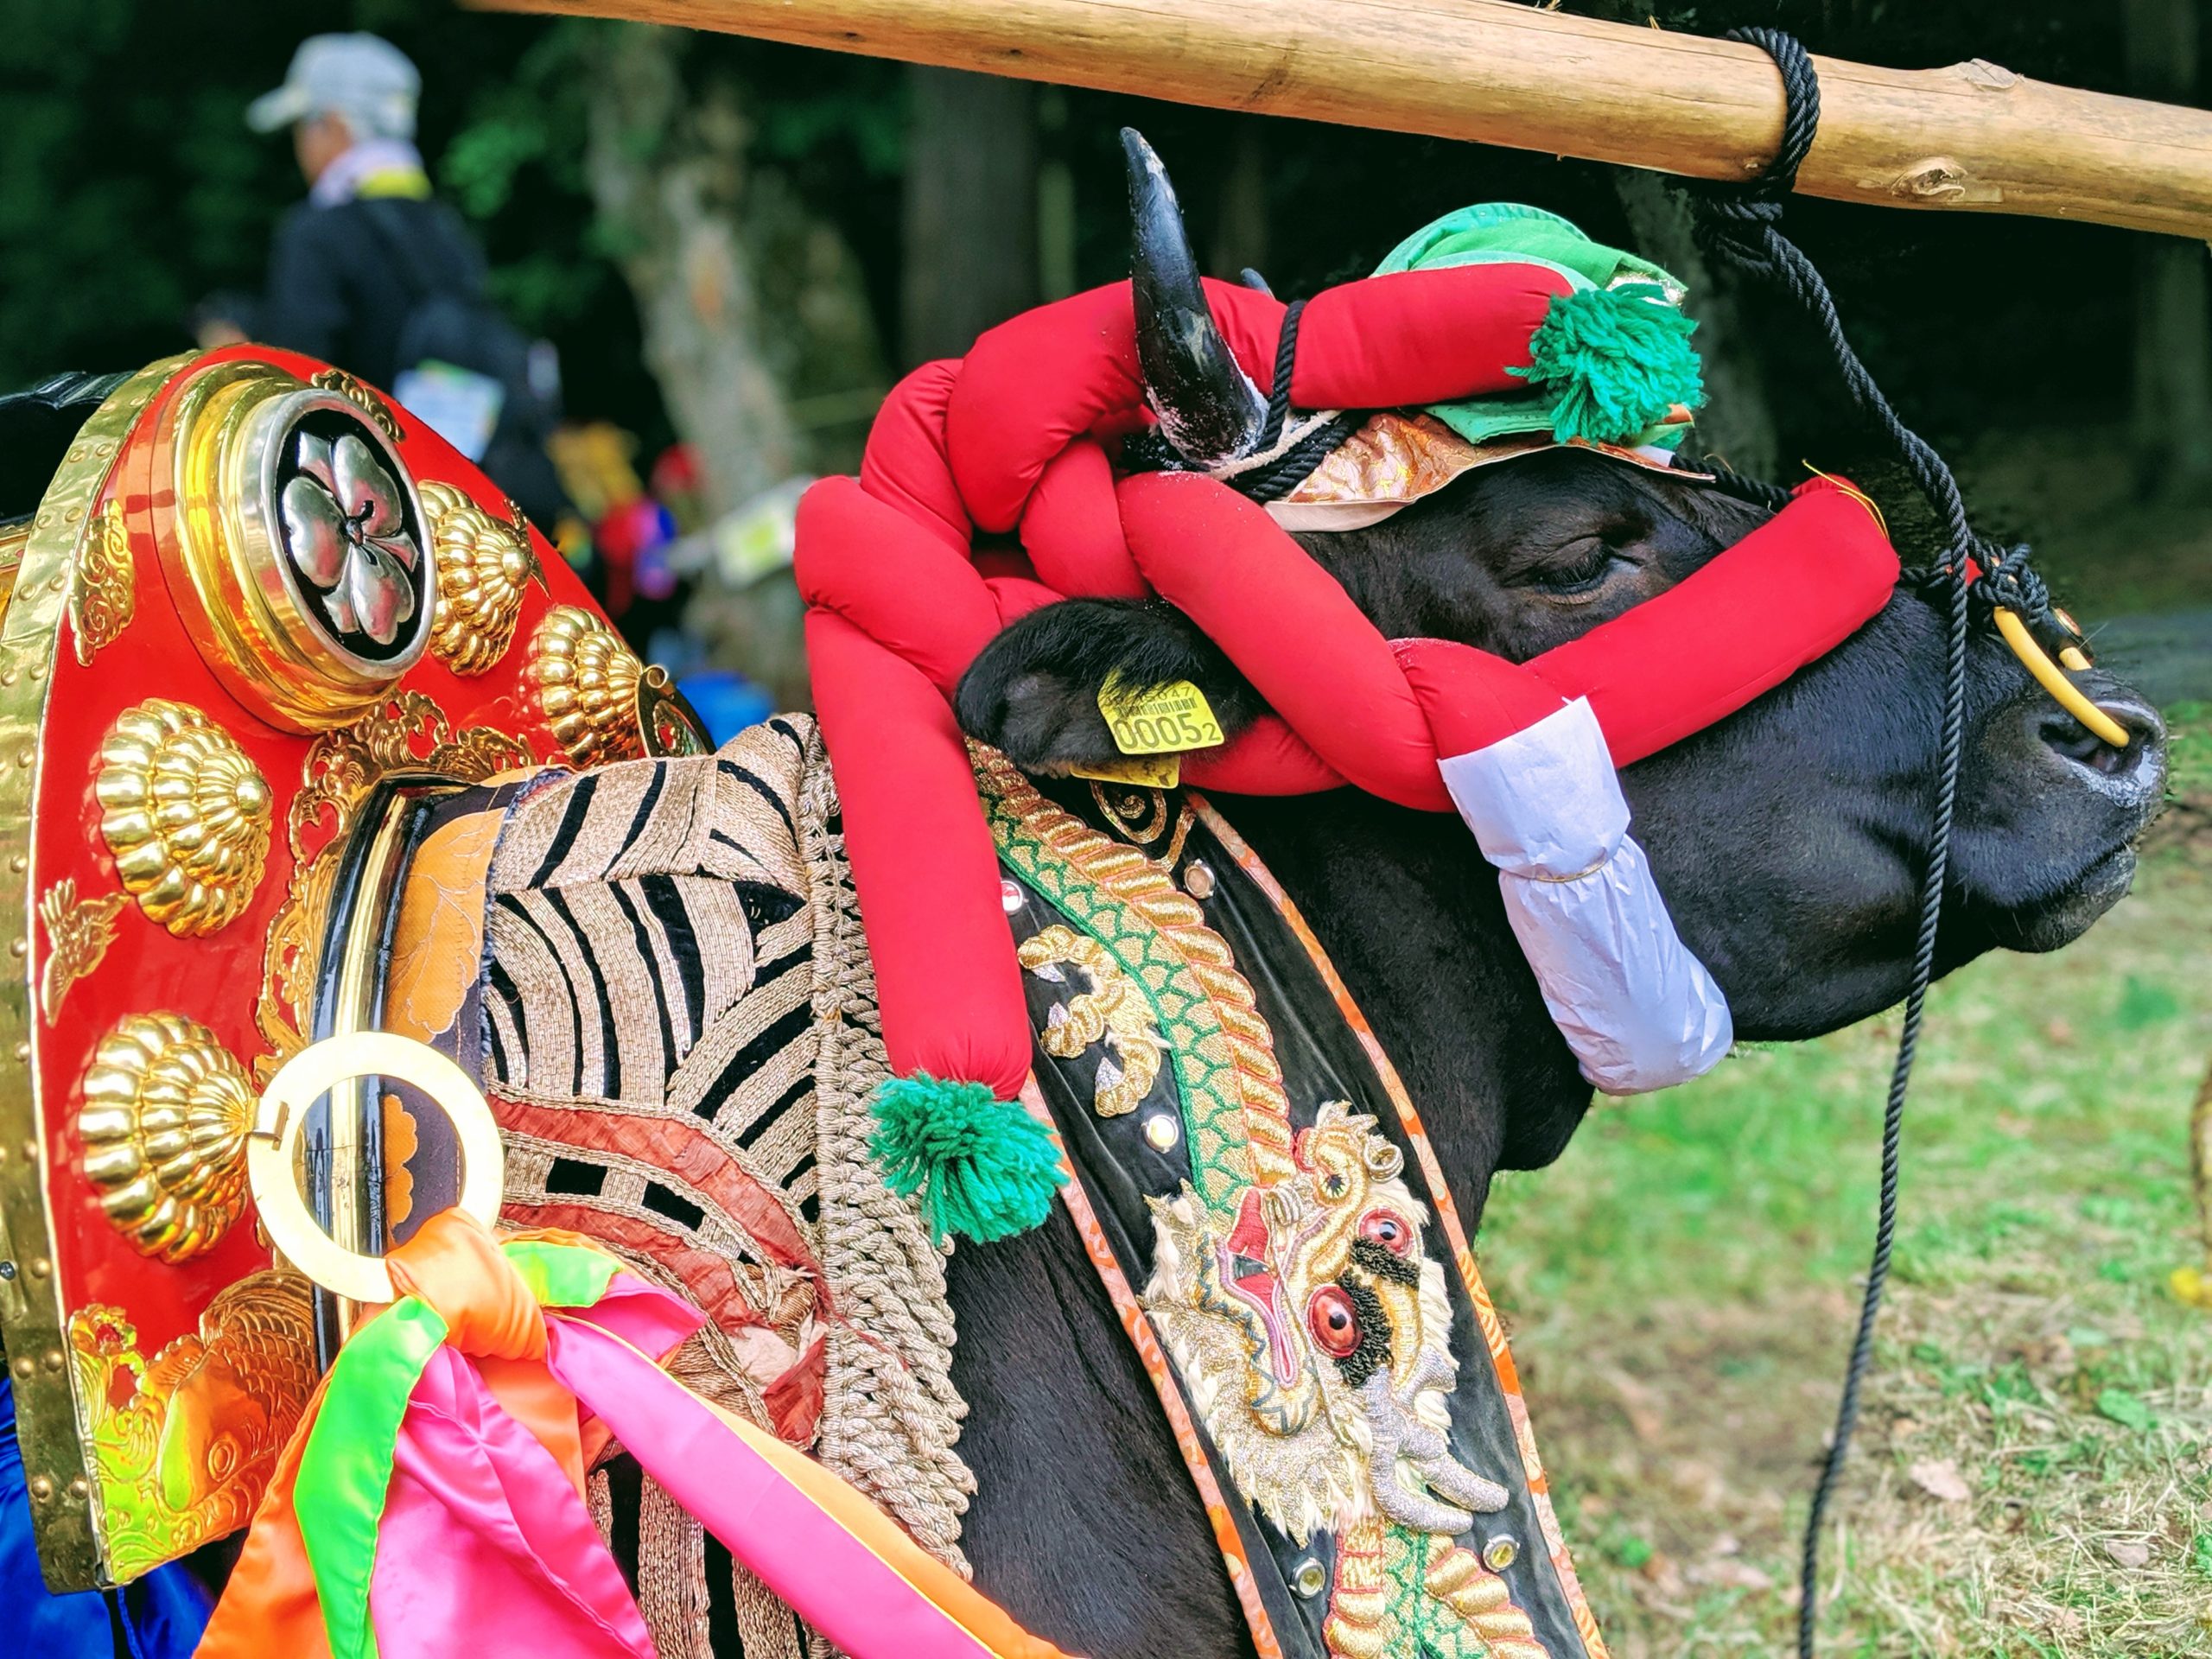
<point>487,1547</point>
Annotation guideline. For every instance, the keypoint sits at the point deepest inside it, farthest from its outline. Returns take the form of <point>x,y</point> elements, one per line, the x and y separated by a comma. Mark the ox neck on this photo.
<point>1410,915</point>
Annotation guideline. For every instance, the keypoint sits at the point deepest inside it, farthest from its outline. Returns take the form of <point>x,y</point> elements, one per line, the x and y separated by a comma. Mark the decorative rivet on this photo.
<point>1500,1554</point>
<point>1010,899</point>
<point>1309,1578</point>
<point>9,676</point>
<point>80,1489</point>
<point>19,863</point>
<point>23,1051</point>
<point>1198,880</point>
<point>30,1152</point>
<point>7,1270</point>
<point>42,1488</point>
<point>18,947</point>
<point>1161,1131</point>
<point>24,1367</point>
<point>24,757</point>
<point>53,1360</point>
<point>41,1267</point>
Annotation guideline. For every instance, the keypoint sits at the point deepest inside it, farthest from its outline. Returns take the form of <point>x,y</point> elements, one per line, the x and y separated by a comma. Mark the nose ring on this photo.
<point>2067,695</point>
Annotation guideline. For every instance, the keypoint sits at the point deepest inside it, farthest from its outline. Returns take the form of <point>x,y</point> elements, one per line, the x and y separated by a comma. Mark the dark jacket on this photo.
<point>342,282</point>
<point>338,290</point>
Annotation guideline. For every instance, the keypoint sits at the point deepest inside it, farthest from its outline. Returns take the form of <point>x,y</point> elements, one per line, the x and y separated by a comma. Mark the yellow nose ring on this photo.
<point>2052,675</point>
<point>2049,675</point>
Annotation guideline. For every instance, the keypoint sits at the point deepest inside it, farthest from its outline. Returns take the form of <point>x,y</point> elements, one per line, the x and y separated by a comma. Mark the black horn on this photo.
<point>1208,409</point>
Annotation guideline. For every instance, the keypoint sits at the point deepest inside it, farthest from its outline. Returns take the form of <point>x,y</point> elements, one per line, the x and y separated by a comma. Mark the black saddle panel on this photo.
<point>36,428</point>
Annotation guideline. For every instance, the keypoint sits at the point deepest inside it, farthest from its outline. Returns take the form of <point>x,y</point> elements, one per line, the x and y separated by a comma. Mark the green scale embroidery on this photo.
<point>1211,1104</point>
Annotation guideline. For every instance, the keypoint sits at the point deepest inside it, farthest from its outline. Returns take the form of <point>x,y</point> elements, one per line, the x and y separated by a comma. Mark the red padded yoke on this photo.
<point>1013,438</point>
<point>1790,592</point>
<point>1421,337</point>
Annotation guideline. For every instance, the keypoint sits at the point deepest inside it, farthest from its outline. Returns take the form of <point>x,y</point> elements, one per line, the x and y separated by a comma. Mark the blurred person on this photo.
<point>224,318</point>
<point>374,274</point>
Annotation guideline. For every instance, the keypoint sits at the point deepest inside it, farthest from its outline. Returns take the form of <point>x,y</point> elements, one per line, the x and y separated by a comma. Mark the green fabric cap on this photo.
<point>1610,360</point>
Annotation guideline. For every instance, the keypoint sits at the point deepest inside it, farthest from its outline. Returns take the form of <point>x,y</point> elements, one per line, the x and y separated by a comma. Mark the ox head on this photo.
<point>1787,839</point>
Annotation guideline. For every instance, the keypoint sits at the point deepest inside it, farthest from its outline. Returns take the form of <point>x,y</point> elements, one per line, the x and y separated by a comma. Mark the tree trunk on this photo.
<point>755,320</point>
<point>2172,413</point>
<point>667,177</point>
<point>1737,424</point>
<point>1240,239</point>
<point>971,209</point>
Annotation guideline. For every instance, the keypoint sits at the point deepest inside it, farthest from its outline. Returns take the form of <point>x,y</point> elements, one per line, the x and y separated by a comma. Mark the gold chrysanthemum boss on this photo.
<point>586,682</point>
<point>185,813</point>
<point>483,565</point>
<point>164,1120</point>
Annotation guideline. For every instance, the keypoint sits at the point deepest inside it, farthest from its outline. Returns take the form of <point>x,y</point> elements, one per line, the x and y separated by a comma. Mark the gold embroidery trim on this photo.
<point>103,589</point>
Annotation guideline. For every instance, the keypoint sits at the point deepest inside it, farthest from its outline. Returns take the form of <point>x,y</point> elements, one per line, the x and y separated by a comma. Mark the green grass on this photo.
<point>1681,1286</point>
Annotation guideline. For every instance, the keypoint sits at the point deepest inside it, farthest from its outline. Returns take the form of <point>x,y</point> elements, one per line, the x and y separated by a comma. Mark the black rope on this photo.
<point>1288,470</point>
<point>1742,224</point>
<point>1279,387</point>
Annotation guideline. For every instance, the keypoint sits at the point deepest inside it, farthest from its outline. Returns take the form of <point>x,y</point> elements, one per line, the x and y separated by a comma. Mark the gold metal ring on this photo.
<point>304,1079</point>
<point>2063,691</point>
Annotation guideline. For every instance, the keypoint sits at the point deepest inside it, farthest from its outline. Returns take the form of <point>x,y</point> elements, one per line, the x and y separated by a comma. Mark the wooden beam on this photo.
<point>1971,138</point>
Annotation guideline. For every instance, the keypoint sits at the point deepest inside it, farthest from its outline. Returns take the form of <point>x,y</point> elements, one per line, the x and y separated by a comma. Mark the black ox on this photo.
<point>1789,841</point>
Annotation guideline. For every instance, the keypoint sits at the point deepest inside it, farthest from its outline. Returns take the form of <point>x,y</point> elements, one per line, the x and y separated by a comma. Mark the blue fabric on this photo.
<point>162,1615</point>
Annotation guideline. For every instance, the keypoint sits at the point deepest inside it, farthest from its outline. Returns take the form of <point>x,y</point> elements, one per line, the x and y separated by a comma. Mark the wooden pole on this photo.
<point>1972,137</point>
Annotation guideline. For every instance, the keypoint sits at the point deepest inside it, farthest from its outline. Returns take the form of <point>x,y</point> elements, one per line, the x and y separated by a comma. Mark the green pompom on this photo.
<point>985,1168</point>
<point>1616,359</point>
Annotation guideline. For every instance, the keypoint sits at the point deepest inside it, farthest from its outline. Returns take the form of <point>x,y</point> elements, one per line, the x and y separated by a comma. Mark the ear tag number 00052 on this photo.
<point>1168,719</point>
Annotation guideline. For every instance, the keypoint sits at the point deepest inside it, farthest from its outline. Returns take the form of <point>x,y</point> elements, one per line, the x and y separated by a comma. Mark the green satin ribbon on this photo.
<point>346,1466</point>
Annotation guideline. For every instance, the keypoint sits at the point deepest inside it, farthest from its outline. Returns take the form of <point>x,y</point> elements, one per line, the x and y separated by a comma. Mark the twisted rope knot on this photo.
<point>2009,579</point>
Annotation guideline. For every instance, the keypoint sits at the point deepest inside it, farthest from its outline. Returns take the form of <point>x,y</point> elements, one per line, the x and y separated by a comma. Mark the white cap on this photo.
<point>362,77</point>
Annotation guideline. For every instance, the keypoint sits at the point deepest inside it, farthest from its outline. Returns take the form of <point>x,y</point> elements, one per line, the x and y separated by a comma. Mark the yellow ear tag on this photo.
<point>1165,721</point>
<point>1143,771</point>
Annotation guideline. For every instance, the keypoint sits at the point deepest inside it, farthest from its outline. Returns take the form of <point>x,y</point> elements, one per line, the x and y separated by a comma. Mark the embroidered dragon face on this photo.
<point>1315,1334</point>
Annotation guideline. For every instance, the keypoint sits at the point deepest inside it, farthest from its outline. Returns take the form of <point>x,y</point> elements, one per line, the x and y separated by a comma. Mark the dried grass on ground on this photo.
<point>2033,1475</point>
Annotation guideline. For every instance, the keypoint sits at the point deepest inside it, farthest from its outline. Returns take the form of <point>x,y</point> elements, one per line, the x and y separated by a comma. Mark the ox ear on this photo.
<point>1033,692</point>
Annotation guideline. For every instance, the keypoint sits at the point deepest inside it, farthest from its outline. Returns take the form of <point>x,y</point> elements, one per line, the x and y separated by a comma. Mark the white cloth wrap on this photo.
<point>1639,1010</point>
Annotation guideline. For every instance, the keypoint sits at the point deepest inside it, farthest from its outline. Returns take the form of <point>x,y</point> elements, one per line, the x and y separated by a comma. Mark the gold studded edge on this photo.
<point>30,1304</point>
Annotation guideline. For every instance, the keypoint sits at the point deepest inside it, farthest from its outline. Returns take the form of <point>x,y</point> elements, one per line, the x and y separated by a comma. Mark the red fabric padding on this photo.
<point>1006,421</point>
<point>1288,626</point>
<point>1015,437</point>
<point>1420,336</point>
<point>1266,757</point>
<point>887,575</point>
<point>1790,592</point>
<point>905,463</point>
<point>1471,698</point>
<point>1072,532</point>
<point>927,876</point>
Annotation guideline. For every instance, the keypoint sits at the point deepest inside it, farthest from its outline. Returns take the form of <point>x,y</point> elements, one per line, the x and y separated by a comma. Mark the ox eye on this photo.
<point>1380,1227</point>
<point>1334,1321</point>
<point>1582,568</point>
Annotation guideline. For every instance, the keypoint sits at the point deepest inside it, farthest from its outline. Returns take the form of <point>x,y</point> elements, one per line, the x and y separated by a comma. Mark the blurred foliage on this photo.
<point>130,187</point>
